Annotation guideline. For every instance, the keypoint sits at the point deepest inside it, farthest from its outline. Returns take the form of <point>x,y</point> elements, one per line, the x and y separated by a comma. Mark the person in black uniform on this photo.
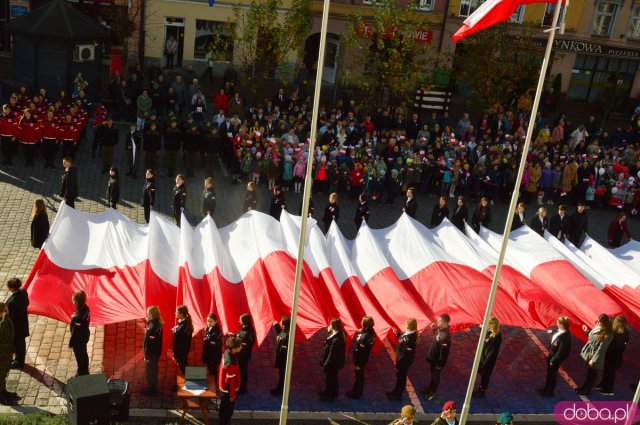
<point>250,198</point>
<point>362,343</point>
<point>208,197</point>
<point>247,337</point>
<point>152,348</point>
<point>39,224</point>
<point>212,345</point>
<point>133,147</point>
<point>278,203</point>
<point>559,351</point>
<point>482,215</point>
<point>151,145</point>
<point>438,353</point>
<point>489,356</point>
<point>190,147</point>
<point>405,353</point>
<point>282,345</point>
<point>362,211</point>
<point>80,332</point>
<point>579,225</point>
<point>612,358</point>
<point>113,188</point>
<point>440,212</point>
<point>519,218</point>
<point>411,205</point>
<point>69,182</point>
<point>460,214</point>
<point>149,193</point>
<point>17,304</point>
<point>182,337</point>
<point>172,144</point>
<point>332,360</point>
<point>179,198</point>
<point>107,136</point>
<point>331,211</point>
<point>539,223</point>
<point>559,225</point>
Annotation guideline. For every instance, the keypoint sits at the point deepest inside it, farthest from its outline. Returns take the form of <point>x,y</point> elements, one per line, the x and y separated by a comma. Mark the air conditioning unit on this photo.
<point>84,53</point>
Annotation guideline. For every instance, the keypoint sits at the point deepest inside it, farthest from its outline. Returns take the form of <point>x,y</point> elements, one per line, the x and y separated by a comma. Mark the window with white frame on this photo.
<point>517,15</point>
<point>547,19</point>
<point>426,5</point>
<point>467,7</point>
<point>633,32</point>
<point>604,17</point>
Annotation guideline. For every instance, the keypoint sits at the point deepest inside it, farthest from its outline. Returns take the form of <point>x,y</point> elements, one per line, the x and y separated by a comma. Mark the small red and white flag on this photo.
<point>272,141</point>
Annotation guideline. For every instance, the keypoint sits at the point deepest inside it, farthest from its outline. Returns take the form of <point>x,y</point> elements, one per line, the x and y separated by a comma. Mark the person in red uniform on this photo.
<point>28,134</point>
<point>49,131</point>
<point>69,133</point>
<point>229,380</point>
<point>7,134</point>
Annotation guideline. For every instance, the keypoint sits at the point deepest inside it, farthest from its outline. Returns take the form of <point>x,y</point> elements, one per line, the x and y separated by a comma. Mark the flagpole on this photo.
<point>284,410</point>
<point>510,215</point>
<point>634,407</point>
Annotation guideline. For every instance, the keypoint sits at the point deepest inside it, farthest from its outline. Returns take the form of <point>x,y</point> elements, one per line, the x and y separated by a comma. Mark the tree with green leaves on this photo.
<point>394,49</point>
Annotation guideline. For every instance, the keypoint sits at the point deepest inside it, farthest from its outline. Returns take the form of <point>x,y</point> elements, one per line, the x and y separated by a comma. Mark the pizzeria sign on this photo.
<point>419,35</point>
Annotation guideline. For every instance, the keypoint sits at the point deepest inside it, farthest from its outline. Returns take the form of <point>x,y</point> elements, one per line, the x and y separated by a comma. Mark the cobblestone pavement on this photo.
<point>116,349</point>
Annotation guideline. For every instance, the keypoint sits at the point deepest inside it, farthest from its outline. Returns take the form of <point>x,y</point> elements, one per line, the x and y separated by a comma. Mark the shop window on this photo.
<point>604,18</point>
<point>517,15</point>
<point>213,41</point>
<point>633,32</point>
<point>467,7</point>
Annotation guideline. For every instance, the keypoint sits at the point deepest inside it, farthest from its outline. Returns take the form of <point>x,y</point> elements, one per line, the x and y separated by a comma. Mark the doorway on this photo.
<point>331,52</point>
<point>174,27</point>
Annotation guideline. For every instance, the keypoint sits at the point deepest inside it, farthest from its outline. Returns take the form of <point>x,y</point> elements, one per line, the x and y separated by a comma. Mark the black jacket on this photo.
<point>559,227</point>
<point>331,212</point>
<point>212,345</point>
<point>490,353</point>
<point>247,337</point>
<point>411,207</point>
<point>362,344</point>
<point>17,304</point>
<point>579,226</point>
<point>560,349</point>
<point>518,222</point>
<point>113,191</point>
<point>362,213</point>
<point>439,214</point>
<point>406,349</point>
<point>250,201</point>
<point>181,339</point>
<point>172,139</point>
<point>149,192</point>
<point>333,352</point>
<point>277,204</point>
<point>613,357</point>
<point>539,226</point>
<point>69,183</point>
<point>39,230</point>
<point>152,343</point>
<point>282,344</point>
<point>79,327</point>
<point>179,197</point>
<point>481,217</point>
<point>151,141</point>
<point>208,201</point>
<point>460,216</point>
<point>107,136</point>
<point>439,348</point>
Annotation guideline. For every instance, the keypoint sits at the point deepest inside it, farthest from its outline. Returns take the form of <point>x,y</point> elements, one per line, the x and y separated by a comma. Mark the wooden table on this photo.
<point>190,401</point>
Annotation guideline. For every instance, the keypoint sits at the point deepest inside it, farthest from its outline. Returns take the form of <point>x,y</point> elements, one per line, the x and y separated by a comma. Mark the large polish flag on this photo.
<point>531,255</point>
<point>490,13</point>
<point>629,254</point>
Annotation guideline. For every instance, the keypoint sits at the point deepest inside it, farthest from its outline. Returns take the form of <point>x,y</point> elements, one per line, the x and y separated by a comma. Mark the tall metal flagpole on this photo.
<point>634,407</point>
<point>512,208</point>
<point>284,410</point>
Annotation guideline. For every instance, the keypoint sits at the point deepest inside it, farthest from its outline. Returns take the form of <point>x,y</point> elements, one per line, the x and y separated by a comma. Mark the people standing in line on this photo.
<point>438,354</point>
<point>519,218</point>
<point>460,214</point>
<point>282,345</point>
<point>331,212</point>
<point>6,354</point>
<point>559,351</point>
<point>613,356</point>
<point>179,198</point>
<point>362,211</point>
<point>250,198</point>
<point>113,188</point>
<point>363,342</point>
<point>559,225</point>
<point>407,414</point>
<point>278,203</point>
<point>482,215</point>
<point>208,198</point>
<point>247,337</point>
<point>152,348</point>
<point>39,224</point>
<point>229,380</point>
<point>80,332</point>
<point>133,147</point>
<point>594,351</point>
<point>440,212</point>
<point>411,204</point>
<point>149,193</point>
<point>579,225</point>
<point>212,345</point>
<point>617,229</point>
<point>17,304</point>
<point>405,353</point>
<point>448,415</point>
<point>332,360</point>
<point>182,337</point>
<point>489,356</point>
<point>539,223</point>
<point>69,182</point>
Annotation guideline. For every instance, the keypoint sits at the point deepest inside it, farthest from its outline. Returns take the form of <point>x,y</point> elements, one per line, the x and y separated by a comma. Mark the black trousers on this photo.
<point>243,364</point>
<point>435,378</point>
<point>176,215</point>
<point>82,358</point>
<point>608,378</point>
<point>151,372</point>
<point>8,147</point>
<point>485,377</point>
<point>71,202</point>
<point>552,376</point>
<point>49,151</point>
<point>29,150</point>
<point>332,383</point>
<point>402,371</point>
<point>20,344</point>
<point>358,384</point>
<point>592,375</point>
<point>147,212</point>
<point>68,148</point>
<point>182,362</point>
<point>226,409</point>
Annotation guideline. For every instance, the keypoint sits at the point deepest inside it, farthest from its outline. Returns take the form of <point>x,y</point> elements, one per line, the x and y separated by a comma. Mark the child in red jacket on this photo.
<point>229,380</point>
